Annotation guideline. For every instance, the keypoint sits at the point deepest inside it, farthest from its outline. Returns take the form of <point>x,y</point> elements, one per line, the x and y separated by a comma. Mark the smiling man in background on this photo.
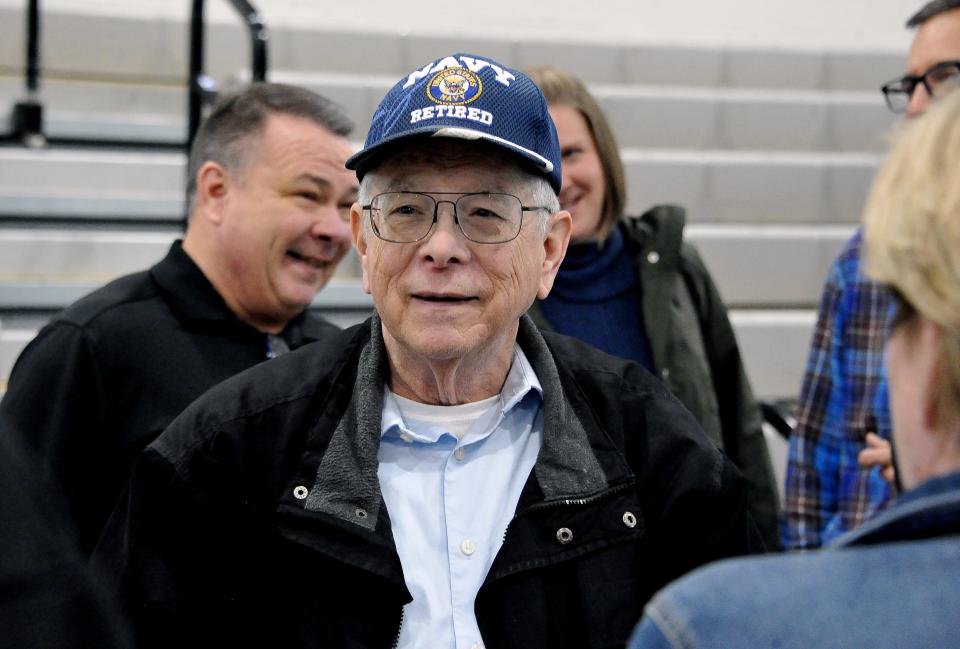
<point>269,201</point>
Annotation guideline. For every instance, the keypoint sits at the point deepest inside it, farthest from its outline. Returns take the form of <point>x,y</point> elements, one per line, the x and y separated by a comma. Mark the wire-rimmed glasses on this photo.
<point>483,217</point>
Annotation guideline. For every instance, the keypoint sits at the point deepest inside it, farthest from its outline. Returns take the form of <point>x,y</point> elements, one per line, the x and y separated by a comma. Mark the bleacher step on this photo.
<point>645,116</point>
<point>154,46</point>
<point>715,186</point>
<point>773,343</point>
<point>753,266</point>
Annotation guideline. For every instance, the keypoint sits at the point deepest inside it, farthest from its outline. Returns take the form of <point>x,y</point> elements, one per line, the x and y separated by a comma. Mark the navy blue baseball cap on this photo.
<point>469,97</point>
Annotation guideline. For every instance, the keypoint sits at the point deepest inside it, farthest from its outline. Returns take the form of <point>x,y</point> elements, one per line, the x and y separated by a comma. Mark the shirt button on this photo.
<point>468,547</point>
<point>653,256</point>
<point>407,437</point>
<point>460,453</point>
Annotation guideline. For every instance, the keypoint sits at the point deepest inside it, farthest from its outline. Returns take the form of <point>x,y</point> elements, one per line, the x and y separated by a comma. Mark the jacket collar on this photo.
<point>656,235</point>
<point>347,487</point>
<point>932,509</point>
<point>197,303</point>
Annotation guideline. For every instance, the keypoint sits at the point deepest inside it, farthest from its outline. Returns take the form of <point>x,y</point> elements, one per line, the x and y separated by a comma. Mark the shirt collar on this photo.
<point>521,379</point>
<point>932,508</point>
<point>196,301</point>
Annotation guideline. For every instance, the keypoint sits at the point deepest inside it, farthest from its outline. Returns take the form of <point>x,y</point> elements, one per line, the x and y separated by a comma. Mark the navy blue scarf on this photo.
<point>596,298</point>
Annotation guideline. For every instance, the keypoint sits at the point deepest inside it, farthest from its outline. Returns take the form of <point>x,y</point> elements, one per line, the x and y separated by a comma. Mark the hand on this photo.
<point>878,453</point>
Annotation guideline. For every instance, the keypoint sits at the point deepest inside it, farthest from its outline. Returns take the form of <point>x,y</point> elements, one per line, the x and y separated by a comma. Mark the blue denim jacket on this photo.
<point>895,582</point>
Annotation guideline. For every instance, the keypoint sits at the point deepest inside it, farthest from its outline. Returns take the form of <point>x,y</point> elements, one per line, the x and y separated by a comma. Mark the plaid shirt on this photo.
<point>844,396</point>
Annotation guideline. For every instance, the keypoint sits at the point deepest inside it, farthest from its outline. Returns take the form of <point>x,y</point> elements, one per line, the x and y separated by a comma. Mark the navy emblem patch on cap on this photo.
<point>454,87</point>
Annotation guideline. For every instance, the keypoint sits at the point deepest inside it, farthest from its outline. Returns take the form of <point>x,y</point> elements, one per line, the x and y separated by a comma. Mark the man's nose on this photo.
<point>329,223</point>
<point>919,101</point>
<point>445,243</point>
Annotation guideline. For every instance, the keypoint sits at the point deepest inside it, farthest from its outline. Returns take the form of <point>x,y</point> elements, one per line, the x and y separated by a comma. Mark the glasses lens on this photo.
<point>897,94</point>
<point>402,217</point>
<point>943,78</point>
<point>489,218</point>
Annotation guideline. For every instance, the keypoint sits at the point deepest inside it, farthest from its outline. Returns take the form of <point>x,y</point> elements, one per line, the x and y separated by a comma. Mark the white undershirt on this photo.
<point>451,477</point>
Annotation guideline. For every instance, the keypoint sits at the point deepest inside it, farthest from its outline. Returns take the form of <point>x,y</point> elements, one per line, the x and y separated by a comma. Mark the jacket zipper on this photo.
<point>396,638</point>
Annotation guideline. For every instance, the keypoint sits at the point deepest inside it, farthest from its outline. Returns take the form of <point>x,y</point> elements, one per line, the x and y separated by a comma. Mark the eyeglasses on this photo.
<point>938,81</point>
<point>407,217</point>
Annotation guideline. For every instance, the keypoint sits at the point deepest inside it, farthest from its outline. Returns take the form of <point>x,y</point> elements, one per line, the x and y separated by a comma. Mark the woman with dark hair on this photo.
<point>632,287</point>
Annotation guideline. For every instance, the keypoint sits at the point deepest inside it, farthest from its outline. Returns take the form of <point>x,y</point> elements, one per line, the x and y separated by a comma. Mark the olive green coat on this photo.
<point>695,352</point>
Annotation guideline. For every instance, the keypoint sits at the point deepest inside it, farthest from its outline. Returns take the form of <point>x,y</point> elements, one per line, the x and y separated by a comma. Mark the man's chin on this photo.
<point>296,301</point>
<point>434,343</point>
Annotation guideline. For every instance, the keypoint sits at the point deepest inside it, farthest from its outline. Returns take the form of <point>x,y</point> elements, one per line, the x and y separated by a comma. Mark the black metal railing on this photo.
<point>27,118</point>
<point>781,414</point>
<point>202,87</point>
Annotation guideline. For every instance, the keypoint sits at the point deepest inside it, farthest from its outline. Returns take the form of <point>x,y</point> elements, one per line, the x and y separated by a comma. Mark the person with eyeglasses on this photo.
<point>268,201</point>
<point>893,582</point>
<point>444,474</point>
<point>839,457</point>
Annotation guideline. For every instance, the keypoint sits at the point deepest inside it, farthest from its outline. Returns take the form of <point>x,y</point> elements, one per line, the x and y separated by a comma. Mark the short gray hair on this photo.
<point>930,10</point>
<point>234,118</point>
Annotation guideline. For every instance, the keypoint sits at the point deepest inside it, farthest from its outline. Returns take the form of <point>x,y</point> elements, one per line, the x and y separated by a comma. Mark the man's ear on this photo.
<point>360,241</point>
<point>554,248</point>
<point>213,185</point>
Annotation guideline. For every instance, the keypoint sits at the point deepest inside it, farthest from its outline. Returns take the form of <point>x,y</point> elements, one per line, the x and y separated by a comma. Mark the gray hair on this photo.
<point>930,10</point>
<point>224,134</point>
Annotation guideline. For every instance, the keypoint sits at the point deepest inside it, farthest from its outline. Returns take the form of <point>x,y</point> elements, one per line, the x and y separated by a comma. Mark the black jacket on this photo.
<point>256,519</point>
<point>49,597</point>
<point>107,375</point>
<point>694,350</point>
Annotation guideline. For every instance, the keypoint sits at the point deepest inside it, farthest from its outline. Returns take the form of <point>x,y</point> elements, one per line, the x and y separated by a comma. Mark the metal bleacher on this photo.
<point>773,167</point>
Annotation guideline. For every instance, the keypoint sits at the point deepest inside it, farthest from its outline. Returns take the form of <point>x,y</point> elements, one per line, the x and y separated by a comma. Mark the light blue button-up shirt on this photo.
<point>450,498</point>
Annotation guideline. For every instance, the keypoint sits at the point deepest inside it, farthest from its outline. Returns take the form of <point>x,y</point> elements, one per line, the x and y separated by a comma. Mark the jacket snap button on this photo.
<point>300,492</point>
<point>629,519</point>
<point>360,512</point>
<point>564,535</point>
<point>653,256</point>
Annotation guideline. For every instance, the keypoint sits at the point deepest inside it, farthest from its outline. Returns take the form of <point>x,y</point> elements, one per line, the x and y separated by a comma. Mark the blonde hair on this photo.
<point>912,228</point>
<point>563,89</point>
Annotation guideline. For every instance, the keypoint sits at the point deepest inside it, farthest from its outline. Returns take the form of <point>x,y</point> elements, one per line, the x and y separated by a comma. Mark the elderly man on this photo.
<point>269,204</point>
<point>443,475</point>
